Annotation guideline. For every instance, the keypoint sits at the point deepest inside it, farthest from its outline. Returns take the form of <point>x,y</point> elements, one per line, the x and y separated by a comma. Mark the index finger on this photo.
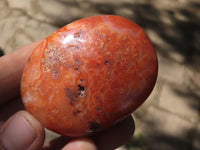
<point>11,69</point>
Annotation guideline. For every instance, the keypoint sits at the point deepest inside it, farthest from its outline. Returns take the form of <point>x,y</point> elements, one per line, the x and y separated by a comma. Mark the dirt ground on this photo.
<point>170,118</point>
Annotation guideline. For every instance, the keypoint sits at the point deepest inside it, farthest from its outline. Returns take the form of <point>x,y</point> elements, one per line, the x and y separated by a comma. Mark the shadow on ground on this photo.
<point>179,28</point>
<point>172,31</point>
<point>156,139</point>
<point>1,52</point>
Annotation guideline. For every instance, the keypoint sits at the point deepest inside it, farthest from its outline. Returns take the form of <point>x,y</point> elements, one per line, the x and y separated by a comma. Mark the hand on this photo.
<point>22,131</point>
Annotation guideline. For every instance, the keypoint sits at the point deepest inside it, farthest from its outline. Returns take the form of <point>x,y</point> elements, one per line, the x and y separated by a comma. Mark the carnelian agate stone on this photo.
<point>89,75</point>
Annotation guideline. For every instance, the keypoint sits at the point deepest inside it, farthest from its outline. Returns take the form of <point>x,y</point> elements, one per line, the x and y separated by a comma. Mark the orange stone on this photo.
<point>89,75</point>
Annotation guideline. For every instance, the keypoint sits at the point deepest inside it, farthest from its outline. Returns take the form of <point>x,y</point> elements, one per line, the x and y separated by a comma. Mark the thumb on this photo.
<point>22,131</point>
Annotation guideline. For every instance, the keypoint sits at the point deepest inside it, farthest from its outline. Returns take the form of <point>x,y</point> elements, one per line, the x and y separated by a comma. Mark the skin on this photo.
<point>15,121</point>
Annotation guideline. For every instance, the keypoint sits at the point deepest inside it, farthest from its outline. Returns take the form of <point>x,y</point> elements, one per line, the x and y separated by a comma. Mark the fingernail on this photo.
<point>17,134</point>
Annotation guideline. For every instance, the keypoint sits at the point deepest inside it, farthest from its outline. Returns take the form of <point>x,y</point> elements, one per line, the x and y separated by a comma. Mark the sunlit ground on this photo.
<point>169,119</point>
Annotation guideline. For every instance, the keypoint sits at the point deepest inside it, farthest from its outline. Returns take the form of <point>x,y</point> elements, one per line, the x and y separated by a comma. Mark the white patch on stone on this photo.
<point>28,98</point>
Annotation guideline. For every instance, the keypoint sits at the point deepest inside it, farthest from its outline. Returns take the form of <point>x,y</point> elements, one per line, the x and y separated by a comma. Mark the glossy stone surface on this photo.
<point>89,75</point>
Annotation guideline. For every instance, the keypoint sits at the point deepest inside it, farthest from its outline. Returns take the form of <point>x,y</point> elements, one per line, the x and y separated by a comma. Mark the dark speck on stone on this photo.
<point>94,126</point>
<point>107,62</point>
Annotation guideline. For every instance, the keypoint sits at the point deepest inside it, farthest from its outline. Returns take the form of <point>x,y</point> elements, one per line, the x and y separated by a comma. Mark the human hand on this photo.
<point>23,131</point>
